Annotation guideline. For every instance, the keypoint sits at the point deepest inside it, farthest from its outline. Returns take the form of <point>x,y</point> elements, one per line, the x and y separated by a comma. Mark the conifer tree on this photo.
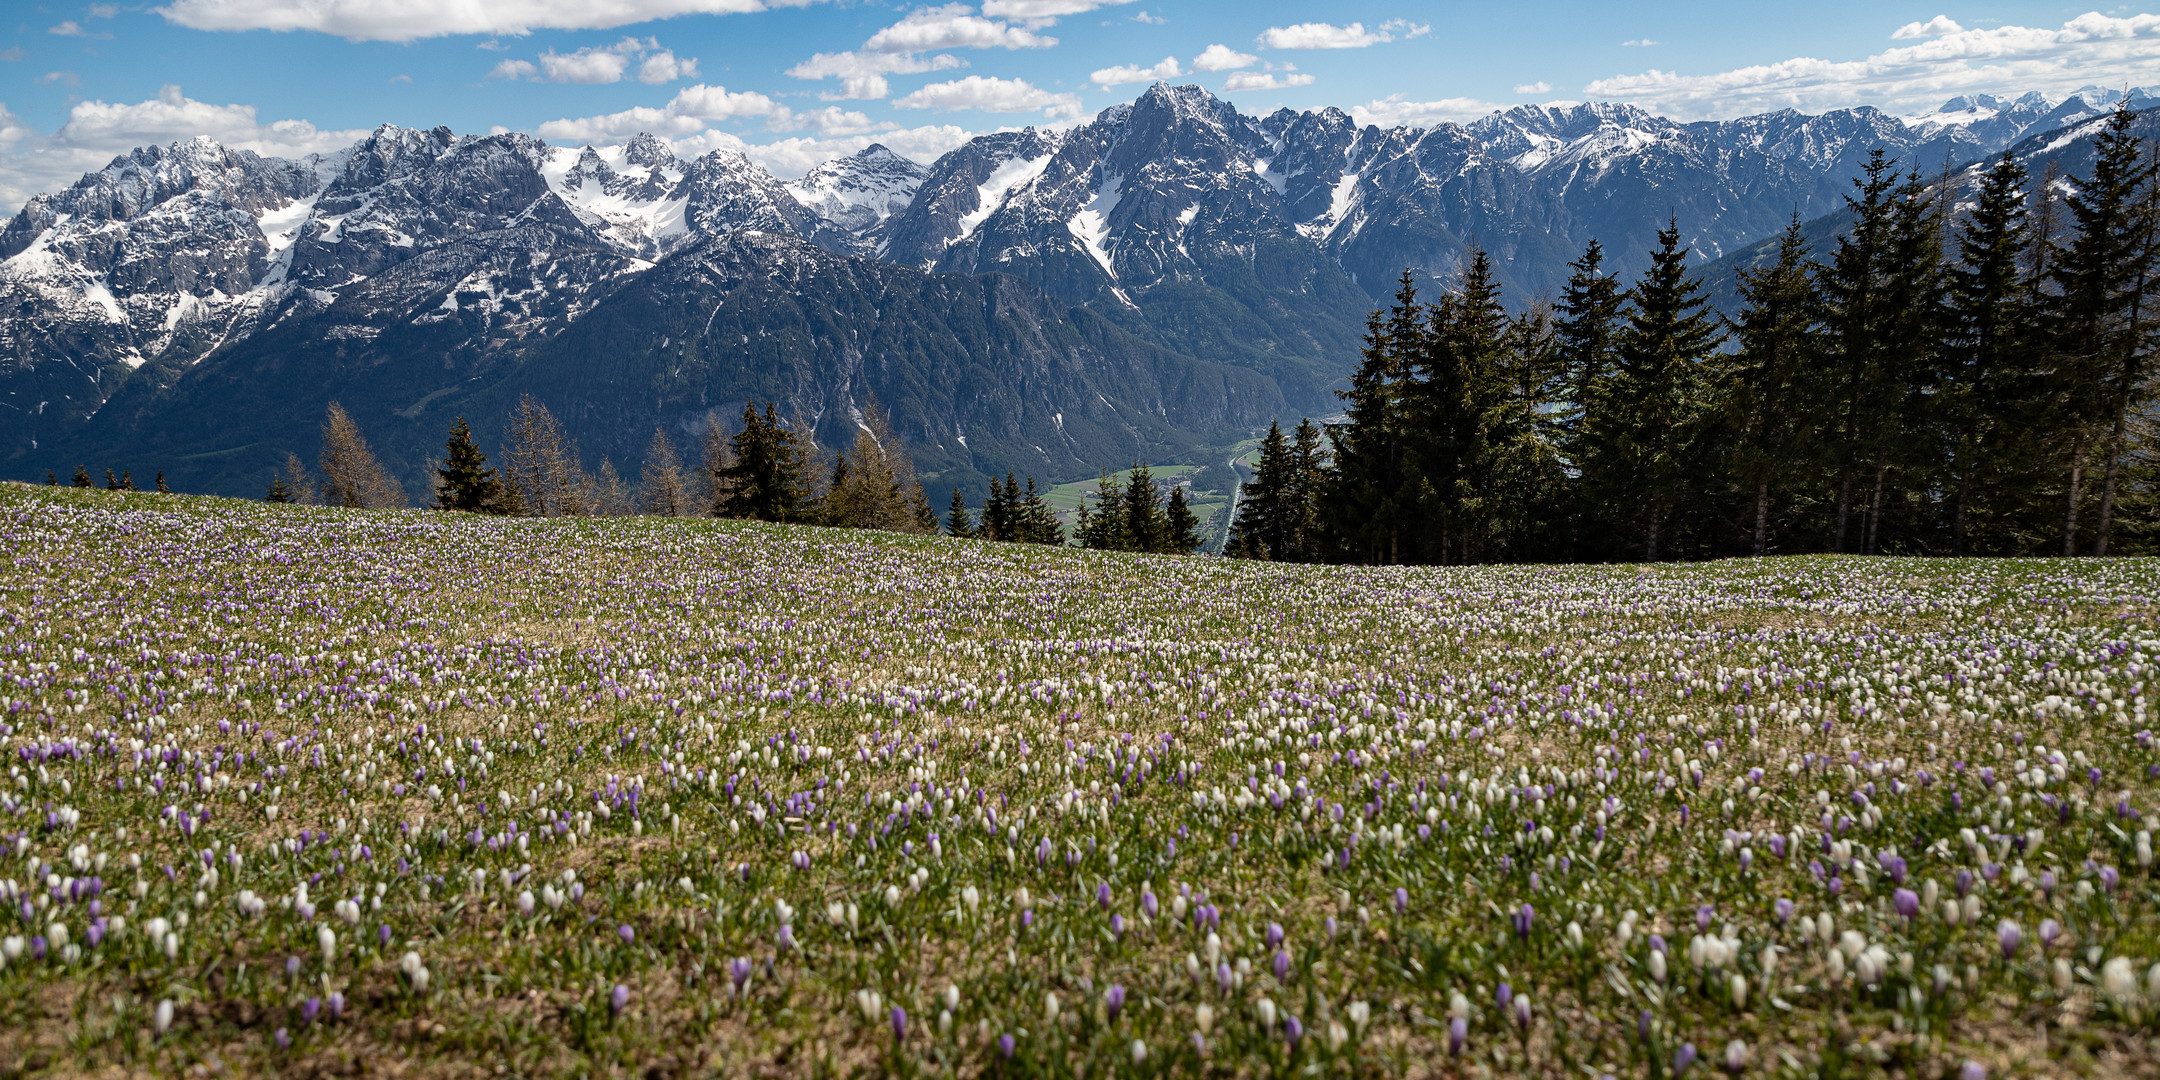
<point>1145,527</point>
<point>765,481</point>
<point>1181,530</point>
<point>1264,516</point>
<point>464,481</point>
<point>663,487</point>
<point>1038,523</point>
<point>1989,384</point>
<point>50,479</point>
<point>1858,330</point>
<point>540,464</point>
<point>112,482</point>
<point>1370,500</point>
<point>958,522</point>
<point>1656,390</point>
<point>351,475</point>
<point>278,493</point>
<point>1102,525</point>
<point>162,489</point>
<point>82,478</point>
<point>2102,323</point>
<point>1767,412</point>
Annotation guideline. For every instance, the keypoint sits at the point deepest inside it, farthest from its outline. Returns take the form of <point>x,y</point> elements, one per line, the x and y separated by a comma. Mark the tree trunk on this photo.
<point>1957,529</point>
<point>1650,545</point>
<point>1762,512</point>
<point>2077,493</point>
<point>1844,507</point>
<point>1874,517</point>
<point>2107,487</point>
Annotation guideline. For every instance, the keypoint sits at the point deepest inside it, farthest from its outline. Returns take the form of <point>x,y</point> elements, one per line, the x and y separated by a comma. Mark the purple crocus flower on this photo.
<point>1684,1060</point>
<point>2008,936</point>
<point>1458,1032</point>
<point>1293,1031</point>
<point>1005,1046</point>
<point>899,1023</point>
<point>618,999</point>
<point>1282,966</point>
<point>310,1009</point>
<point>1114,1000</point>
<point>2049,931</point>
<point>1906,901</point>
<point>625,933</point>
<point>1784,909</point>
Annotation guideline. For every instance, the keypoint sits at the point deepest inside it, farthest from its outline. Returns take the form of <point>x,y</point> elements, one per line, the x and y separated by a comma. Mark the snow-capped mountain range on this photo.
<point>1220,238</point>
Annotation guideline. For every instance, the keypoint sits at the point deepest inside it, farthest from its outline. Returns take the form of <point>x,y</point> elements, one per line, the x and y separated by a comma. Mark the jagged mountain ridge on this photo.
<point>1232,241</point>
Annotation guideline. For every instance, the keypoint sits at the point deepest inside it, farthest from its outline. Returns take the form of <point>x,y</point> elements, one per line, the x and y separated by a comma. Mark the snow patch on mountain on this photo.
<point>991,194</point>
<point>1091,226</point>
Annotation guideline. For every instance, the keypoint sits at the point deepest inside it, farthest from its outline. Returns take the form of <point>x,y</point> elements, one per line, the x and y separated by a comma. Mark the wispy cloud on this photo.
<point>1945,60</point>
<point>409,20</point>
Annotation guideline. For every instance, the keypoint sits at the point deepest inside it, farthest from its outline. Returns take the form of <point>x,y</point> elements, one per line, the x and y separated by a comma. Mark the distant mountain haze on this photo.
<point>1150,285</point>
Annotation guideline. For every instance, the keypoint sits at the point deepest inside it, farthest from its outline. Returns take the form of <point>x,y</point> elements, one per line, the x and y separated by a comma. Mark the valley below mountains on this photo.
<point>1150,285</point>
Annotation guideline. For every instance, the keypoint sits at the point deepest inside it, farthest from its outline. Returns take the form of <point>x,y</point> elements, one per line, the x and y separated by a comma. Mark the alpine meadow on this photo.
<point>1014,540</point>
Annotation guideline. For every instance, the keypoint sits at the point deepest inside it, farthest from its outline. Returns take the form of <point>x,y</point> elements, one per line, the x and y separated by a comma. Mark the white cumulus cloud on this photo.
<point>588,66</point>
<point>1044,9</point>
<point>514,69</point>
<point>1222,58</point>
<point>409,20</point>
<point>96,131</point>
<point>664,67</point>
<point>1166,68</point>
<point>1398,111</point>
<point>1538,87</point>
<point>987,94</point>
<point>600,64</point>
<point>1245,81</point>
<point>2090,49</point>
<point>1320,35</point>
<point>952,26</point>
<point>694,108</point>
<point>1935,27</point>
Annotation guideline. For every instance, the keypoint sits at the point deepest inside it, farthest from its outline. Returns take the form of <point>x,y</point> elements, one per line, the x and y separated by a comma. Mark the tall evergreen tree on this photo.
<point>958,522</point>
<point>1102,524</point>
<point>1264,525</point>
<point>1768,413</point>
<point>1857,318</point>
<point>2102,325</point>
<point>1370,501</point>
<point>1989,381</point>
<point>1653,405</point>
<point>1181,529</point>
<point>765,482</point>
<point>1038,523</point>
<point>1145,528</point>
<point>464,481</point>
<point>82,478</point>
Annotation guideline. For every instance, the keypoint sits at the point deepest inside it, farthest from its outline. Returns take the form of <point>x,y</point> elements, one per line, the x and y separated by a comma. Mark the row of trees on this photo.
<point>1957,378</point>
<point>764,471</point>
<point>125,481</point>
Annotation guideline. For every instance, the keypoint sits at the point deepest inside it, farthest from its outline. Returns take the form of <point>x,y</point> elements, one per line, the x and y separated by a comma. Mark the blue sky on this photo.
<point>799,81</point>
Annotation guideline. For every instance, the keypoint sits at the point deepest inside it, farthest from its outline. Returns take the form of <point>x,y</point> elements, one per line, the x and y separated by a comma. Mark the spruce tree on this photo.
<point>1181,529</point>
<point>1302,491</point>
<point>2102,324</point>
<point>1102,525</point>
<point>958,522</point>
<point>1858,330</point>
<point>50,479</point>
<point>463,481</point>
<point>1990,387</point>
<point>1657,387</point>
<point>1145,528</point>
<point>1369,500</point>
<point>1450,405</point>
<point>278,493</point>
<point>1767,412</point>
<point>765,482</point>
<point>162,489</point>
<point>82,478</point>
<point>1263,516</point>
<point>112,482</point>
<point>1038,523</point>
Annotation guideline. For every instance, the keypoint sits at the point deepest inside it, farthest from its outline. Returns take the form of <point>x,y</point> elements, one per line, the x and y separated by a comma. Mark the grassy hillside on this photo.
<point>299,791</point>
